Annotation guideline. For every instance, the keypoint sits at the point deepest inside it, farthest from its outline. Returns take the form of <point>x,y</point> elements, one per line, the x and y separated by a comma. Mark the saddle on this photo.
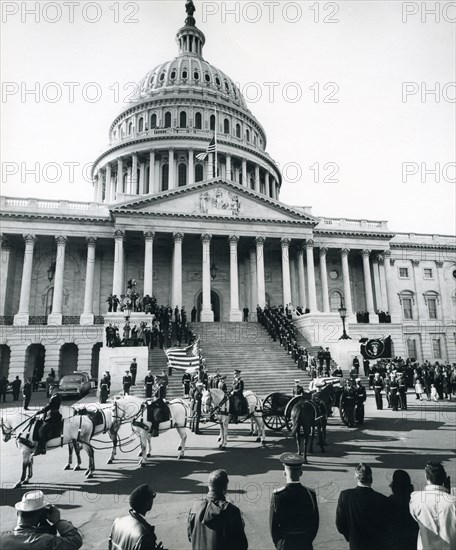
<point>54,429</point>
<point>158,411</point>
<point>97,417</point>
<point>239,405</point>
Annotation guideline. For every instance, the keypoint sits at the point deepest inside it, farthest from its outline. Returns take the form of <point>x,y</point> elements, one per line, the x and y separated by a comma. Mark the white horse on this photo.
<point>142,426</point>
<point>21,426</point>
<point>215,402</point>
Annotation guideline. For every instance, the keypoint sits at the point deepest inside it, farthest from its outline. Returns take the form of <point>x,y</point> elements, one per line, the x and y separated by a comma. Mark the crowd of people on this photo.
<point>405,520</point>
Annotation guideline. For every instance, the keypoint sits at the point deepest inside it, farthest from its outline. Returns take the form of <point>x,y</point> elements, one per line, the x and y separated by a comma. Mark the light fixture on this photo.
<point>343,315</point>
<point>213,271</point>
<point>51,271</point>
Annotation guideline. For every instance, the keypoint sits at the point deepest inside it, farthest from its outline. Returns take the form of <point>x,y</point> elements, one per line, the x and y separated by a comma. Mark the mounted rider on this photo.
<point>157,409</point>
<point>52,419</point>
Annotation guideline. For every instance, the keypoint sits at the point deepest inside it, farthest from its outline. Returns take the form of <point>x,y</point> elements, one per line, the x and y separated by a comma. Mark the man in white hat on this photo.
<point>298,389</point>
<point>37,522</point>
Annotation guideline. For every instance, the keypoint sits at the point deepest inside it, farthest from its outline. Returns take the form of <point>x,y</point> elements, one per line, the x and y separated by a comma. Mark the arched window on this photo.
<point>183,119</point>
<point>141,125</point>
<point>198,172</point>
<point>130,128</point>
<point>165,177</point>
<point>407,299</point>
<point>254,139</point>
<point>212,122</point>
<point>247,134</point>
<point>226,126</point>
<point>207,77</point>
<point>335,300</point>
<point>431,299</point>
<point>196,75</point>
<point>198,121</point>
<point>153,121</point>
<point>238,130</point>
<point>182,175</point>
<point>167,119</point>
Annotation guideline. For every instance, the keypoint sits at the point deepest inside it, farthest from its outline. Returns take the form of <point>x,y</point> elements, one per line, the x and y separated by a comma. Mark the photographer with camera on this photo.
<point>39,527</point>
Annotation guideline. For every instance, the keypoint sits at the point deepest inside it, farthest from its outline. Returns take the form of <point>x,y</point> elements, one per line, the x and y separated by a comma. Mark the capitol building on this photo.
<point>200,226</point>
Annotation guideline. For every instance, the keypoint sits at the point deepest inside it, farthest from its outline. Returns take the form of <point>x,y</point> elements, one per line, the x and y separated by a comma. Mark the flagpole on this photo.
<point>216,153</point>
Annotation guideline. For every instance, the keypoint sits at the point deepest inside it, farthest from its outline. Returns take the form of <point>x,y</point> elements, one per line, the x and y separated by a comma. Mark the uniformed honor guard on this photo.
<point>149,384</point>
<point>126,382</point>
<point>294,517</point>
<point>378,387</point>
<point>360,400</point>
<point>298,389</point>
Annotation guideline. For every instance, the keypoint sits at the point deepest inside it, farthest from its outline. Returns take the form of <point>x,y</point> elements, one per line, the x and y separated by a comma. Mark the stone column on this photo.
<point>207,315</point>
<point>286,284</point>
<point>177,270</point>
<point>191,167</point>
<point>229,176</point>
<point>100,185</point>
<point>368,287</point>
<point>381,272</point>
<point>267,185</point>
<point>301,277</point>
<point>4,268</point>
<point>235,312</point>
<point>377,286</point>
<point>55,318</point>
<point>394,306</point>
<point>119,176</point>
<point>253,281</point>
<point>117,283</point>
<point>148,262</point>
<point>311,276</point>
<point>22,316</point>
<point>134,173</point>
<point>171,170</point>
<point>447,306</point>
<point>257,178</point>
<point>152,172</point>
<point>261,287</point>
<point>87,316</point>
<point>420,303</point>
<point>108,193</point>
<point>346,280</point>
<point>244,173</point>
<point>142,174</point>
<point>210,166</point>
<point>324,279</point>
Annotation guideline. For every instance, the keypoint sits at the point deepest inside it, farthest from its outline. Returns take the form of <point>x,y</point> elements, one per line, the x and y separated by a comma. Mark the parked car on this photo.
<point>77,383</point>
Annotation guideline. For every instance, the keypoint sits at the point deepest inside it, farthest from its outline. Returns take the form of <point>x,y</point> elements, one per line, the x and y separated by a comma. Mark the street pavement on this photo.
<point>387,441</point>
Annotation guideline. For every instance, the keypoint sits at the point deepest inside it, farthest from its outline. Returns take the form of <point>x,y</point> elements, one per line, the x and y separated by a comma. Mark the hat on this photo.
<point>357,379</point>
<point>297,381</point>
<point>292,460</point>
<point>199,384</point>
<point>237,371</point>
<point>32,501</point>
<point>140,496</point>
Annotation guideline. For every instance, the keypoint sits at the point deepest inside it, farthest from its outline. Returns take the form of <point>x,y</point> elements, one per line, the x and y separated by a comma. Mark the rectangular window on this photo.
<point>403,272</point>
<point>432,308</point>
<point>436,348</point>
<point>411,348</point>
<point>407,308</point>
<point>428,273</point>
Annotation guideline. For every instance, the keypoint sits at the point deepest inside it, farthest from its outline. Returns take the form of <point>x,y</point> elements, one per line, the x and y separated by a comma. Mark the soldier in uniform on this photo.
<point>149,383</point>
<point>186,380</point>
<point>196,395</point>
<point>133,371</point>
<point>294,517</point>
<point>126,381</point>
<point>27,393</point>
<point>298,389</point>
<point>52,417</point>
<point>237,392</point>
<point>348,401</point>
<point>356,364</point>
<point>394,392</point>
<point>403,393</point>
<point>378,387</point>
<point>104,388</point>
<point>360,400</point>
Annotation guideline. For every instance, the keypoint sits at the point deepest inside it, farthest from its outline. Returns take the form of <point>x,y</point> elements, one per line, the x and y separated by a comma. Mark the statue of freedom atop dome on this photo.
<point>190,8</point>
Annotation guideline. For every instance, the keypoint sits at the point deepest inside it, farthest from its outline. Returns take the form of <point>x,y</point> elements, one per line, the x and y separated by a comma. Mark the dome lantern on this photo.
<point>189,38</point>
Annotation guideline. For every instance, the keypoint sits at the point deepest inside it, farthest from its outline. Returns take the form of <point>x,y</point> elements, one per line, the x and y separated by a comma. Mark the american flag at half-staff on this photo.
<point>184,358</point>
<point>211,148</point>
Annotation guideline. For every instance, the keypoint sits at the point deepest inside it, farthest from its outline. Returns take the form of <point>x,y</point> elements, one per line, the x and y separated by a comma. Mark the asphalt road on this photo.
<point>387,441</point>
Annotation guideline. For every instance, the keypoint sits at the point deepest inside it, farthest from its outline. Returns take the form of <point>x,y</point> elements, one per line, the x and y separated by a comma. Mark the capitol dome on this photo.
<point>178,108</point>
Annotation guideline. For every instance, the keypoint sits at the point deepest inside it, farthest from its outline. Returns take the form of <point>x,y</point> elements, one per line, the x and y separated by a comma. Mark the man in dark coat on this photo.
<point>52,418</point>
<point>245,314</point>
<point>298,389</point>
<point>133,532</point>
<point>149,383</point>
<point>366,365</point>
<point>16,387</point>
<point>193,314</point>
<point>133,371</point>
<point>293,516</point>
<point>378,388</point>
<point>3,386</point>
<point>27,393</point>
<point>186,380</point>
<point>196,394</point>
<point>126,381</point>
<point>104,388</point>
<point>214,523</point>
<point>237,393</point>
<point>356,363</point>
<point>361,514</point>
<point>360,400</point>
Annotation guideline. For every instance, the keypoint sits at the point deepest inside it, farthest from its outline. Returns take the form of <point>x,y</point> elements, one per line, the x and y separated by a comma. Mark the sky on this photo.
<point>357,98</point>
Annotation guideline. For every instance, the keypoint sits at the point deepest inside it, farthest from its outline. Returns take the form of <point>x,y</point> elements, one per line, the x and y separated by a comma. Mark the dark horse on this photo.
<point>305,416</point>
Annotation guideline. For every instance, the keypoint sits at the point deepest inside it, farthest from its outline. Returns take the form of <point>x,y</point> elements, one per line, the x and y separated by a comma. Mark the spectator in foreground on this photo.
<point>40,527</point>
<point>293,518</point>
<point>361,513</point>
<point>403,528</point>
<point>434,509</point>
<point>214,523</point>
<point>133,532</point>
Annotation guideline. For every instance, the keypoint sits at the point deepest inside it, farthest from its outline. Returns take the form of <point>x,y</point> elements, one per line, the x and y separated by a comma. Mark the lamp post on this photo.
<point>343,314</point>
<point>213,271</point>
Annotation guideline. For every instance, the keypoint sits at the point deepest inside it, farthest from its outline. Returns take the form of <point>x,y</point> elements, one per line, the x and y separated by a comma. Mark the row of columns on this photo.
<point>384,277</point>
<point>113,186</point>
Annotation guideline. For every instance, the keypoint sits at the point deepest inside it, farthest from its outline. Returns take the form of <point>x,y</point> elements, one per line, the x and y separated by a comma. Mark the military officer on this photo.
<point>378,387</point>
<point>360,400</point>
<point>196,395</point>
<point>298,389</point>
<point>126,381</point>
<point>394,386</point>
<point>294,517</point>
<point>237,392</point>
<point>104,388</point>
<point>402,392</point>
<point>149,383</point>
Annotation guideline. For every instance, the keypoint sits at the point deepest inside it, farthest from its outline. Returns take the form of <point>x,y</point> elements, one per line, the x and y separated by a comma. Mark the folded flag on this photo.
<point>210,149</point>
